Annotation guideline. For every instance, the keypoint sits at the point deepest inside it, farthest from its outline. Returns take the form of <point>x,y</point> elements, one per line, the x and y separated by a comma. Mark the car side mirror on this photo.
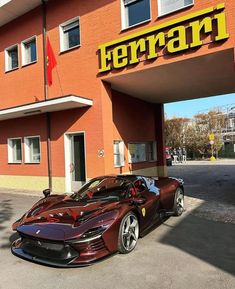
<point>46,192</point>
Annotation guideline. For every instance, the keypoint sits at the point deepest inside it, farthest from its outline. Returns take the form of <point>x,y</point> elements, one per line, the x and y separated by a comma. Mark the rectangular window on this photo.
<point>32,149</point>
<point>29,51</point>
<point>231,122</point>
<point>137,152</point>
<point>15,150</point>
<point>135,12</point>
<point>118,148</point>
<point>169,6</point>
<point>11,58</point>
<point>141,152</point>
<point>70,34</point>
<point>151,151</point>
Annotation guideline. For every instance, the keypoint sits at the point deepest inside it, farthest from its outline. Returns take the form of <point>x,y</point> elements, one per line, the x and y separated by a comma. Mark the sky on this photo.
<point>189,108</point>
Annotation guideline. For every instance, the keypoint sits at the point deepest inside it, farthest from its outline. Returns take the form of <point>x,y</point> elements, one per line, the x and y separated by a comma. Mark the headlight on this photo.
<point>94,232</point>
<point>90,235</point>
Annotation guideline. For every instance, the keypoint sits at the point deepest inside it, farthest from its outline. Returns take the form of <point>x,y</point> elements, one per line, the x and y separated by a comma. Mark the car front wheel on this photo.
<point>128,233</point>
<point>178,202</point>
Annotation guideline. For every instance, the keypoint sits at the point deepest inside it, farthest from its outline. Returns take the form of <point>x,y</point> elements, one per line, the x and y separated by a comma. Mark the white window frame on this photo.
<point>120,153</point>
<point>27,149</point>
<point>10,151</point>
<point>160,14</point>
<point>23,52</point>
<point>7,57</point>
<point>62,42</point>
<point>124,20</point>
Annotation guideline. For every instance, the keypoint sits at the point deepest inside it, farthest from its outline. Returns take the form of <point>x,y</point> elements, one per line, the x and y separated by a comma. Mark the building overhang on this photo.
<point>11,9</point>
<point>201,76</point>
<point>49,105</point>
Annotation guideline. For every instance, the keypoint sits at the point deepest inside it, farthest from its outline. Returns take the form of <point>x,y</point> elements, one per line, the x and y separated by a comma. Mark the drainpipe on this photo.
<point>48,116</point>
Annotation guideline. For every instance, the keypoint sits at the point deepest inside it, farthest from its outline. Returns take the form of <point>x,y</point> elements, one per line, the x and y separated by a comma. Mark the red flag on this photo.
<point>51,62</point>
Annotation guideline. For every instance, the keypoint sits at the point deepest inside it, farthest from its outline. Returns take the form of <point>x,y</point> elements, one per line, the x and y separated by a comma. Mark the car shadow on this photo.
<point>6,212</point>
<point>210,241</point>
<point>8,241</point>
<point>207,231</point>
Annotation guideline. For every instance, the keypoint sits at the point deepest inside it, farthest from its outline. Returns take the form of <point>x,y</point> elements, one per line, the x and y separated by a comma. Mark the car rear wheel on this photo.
<point>179,202</point>
<point>128,233</point>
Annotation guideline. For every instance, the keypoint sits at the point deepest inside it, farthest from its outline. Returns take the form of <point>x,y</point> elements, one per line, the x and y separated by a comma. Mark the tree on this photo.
<point>175,131</point>
<point>194,133</point>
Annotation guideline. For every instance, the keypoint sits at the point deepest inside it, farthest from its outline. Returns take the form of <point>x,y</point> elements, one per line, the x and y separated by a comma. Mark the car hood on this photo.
<point>61,217</point>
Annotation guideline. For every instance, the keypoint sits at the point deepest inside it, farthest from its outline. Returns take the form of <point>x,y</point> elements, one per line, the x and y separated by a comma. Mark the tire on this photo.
<point>128,233</point>
<point>178,207</point>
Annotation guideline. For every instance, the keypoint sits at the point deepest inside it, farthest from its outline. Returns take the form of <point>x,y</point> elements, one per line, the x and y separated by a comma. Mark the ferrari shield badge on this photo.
<point>143,212</point>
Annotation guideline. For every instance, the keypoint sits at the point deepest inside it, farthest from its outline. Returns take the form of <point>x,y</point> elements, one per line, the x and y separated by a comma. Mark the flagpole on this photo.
<point>44,8</point>
<point>48,116</point>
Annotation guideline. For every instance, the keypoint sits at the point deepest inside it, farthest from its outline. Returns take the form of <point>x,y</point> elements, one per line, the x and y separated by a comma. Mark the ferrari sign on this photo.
<point>170,36</point>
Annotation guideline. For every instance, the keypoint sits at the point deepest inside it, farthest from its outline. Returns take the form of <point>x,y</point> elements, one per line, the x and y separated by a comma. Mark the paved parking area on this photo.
<point>210,188</point>
<point>193,251</point>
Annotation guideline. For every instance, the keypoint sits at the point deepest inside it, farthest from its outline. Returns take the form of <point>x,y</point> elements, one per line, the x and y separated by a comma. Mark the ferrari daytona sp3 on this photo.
<point>107,215</point>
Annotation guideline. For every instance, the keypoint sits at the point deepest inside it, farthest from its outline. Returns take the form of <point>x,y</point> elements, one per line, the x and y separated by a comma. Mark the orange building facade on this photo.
<point>118,62</point>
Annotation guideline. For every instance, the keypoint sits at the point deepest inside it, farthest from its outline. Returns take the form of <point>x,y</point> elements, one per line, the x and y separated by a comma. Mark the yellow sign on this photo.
<point>211,136</point>
<point>143,212</point>
<point>171,35</point>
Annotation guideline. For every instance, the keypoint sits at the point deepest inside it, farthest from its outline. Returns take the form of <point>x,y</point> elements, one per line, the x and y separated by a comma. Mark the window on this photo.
<point>141,152</point>
<point>104,188</point>
<point>69,34</point>
<point>169,6</point>
<point>137,152</point>
<point>118,147</point>
<point>11,58</point>
<point>29,51</point>
<point>14,150</point>
<point>32,149</point>
<point>151,151</point>
<point>231,122</point>
<point>135,12</point>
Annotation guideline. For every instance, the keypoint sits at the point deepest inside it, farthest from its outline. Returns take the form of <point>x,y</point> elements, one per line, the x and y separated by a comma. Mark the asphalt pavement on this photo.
<point>193,251</point>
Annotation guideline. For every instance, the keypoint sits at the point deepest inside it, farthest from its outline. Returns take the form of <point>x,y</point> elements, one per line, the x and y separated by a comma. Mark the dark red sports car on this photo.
<point>107,215</point>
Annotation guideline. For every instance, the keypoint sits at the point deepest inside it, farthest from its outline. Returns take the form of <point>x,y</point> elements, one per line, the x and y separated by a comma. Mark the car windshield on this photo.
<point>109,188</point>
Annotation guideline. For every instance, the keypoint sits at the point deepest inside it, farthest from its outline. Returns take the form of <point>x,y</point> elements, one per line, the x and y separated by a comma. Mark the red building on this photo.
<point>118,62</point>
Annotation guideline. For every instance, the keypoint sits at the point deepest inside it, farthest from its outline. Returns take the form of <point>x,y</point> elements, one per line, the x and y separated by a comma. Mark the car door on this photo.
<point>148,210</point>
